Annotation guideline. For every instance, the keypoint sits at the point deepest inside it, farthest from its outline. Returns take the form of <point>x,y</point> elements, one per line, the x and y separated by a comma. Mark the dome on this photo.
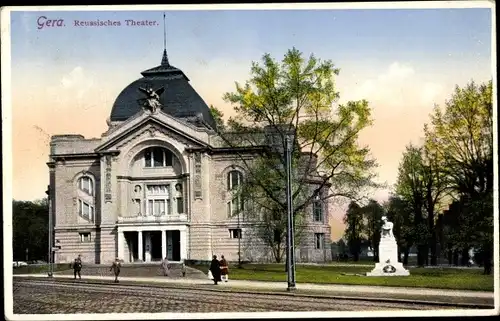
<point>179,99</point>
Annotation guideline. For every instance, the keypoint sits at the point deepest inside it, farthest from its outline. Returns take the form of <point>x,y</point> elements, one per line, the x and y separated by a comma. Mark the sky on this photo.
<point>64,79</point>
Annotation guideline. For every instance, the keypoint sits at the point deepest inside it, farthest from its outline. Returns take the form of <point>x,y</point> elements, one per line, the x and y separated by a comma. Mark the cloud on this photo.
<point>398,87</point>
<point>77,82</point>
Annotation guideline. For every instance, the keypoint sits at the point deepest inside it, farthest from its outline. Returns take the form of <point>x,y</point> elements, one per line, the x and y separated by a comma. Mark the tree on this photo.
<point>297,96</point>
<point>411,187</point>
<point>372,213</point>
<point>218,116</point>
<point>400,213</point>
<point>461,138</point>
<point>30,229</point>
<point>353,220</point>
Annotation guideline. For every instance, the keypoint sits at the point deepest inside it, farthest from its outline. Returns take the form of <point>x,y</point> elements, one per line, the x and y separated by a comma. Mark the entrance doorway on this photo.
<point>176,245</point>
<point>131,239</point>
<point>156,246</point>
<point>152,246</point>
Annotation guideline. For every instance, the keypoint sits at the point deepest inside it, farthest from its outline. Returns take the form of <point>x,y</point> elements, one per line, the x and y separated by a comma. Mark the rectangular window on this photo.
<point>318,211</point>
<point>85,210</point>
<point>150,207</point>
<point>84,237</point>
<point>319,241</point>
<point>157,207</point>
<point>235,233</point>
<point>234,206</point>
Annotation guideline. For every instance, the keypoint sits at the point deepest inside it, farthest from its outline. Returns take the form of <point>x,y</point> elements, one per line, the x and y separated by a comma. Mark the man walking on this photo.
<point>215,269</point>
<point>165,265</point>
<point>116,268</point>
<point>77,267</point>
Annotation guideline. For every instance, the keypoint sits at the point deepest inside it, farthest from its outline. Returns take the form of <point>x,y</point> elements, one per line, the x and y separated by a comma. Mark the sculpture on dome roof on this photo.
<point>152,101</point>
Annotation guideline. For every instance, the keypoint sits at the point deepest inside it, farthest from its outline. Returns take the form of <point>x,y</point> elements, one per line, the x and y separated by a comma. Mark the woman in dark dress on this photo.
<point>215,269</point>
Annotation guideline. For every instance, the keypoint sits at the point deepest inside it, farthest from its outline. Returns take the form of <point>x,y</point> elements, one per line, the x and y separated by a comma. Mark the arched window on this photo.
<point>86,187</point>
<point>236,204</point>
<point>86,184</point>
<point>158,157</point>
<point>234,179</point>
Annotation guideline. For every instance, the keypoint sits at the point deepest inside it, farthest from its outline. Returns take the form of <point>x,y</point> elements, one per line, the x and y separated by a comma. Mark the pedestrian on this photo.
<point>115,267</point>
<point>183,269</point>
<point>165,265</point>
<point>215,269</point>
<point>77,267</point>
<point>224,270</point>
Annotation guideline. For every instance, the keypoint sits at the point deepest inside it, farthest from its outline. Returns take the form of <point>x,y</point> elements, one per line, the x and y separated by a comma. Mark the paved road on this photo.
<point>51,296</point>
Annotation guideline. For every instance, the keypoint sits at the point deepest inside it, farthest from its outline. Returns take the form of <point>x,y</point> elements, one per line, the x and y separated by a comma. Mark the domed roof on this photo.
<point>178,99</point>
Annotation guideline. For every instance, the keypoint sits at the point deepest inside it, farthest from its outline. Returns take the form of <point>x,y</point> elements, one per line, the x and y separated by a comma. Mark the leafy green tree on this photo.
<point>400,213</point>
<point>411,187</point>
<point>461,138</point>
<point>353,221</point>
<point>372,213</point>
<point>218,116</point>
<point>30,229</point>
<point>297,96</point>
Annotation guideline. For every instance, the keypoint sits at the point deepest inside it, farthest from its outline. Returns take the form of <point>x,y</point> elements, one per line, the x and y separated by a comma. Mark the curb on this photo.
<point>175,285</point>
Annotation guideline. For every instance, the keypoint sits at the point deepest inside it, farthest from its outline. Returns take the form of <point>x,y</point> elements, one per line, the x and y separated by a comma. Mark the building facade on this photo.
<point>157,184</point>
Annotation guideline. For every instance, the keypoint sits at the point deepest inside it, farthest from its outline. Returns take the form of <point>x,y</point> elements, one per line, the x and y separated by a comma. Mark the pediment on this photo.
<point>158,125</point>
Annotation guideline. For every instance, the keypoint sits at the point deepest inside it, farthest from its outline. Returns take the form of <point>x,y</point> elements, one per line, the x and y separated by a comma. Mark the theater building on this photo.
<point>156,184</point>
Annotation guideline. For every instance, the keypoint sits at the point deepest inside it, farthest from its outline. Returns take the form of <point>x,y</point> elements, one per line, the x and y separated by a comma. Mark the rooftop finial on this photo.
<point>164,59</point>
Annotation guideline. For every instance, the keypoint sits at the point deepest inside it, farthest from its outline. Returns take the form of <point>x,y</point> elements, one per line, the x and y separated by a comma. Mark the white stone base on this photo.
<point>391,269</point>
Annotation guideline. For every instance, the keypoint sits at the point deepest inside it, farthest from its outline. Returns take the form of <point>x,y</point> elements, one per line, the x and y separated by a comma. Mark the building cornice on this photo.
<point>146,178</point>
<point>227,150</point>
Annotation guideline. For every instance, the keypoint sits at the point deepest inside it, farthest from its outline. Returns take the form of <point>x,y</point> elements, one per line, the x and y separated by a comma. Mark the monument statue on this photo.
<point>152,100</point>
<point>388,264</point>
<point>387,228</point>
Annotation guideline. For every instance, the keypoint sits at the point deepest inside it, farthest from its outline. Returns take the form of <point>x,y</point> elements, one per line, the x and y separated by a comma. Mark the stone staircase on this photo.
<point>139,270</point>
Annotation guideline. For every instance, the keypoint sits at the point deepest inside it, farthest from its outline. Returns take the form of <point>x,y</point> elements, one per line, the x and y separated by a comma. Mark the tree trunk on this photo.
<point>487,256</point>
<point>421,255</point>
<point>432,231</point>
<point>356,257</point>
<point>433,249</point>
<point>455,257</point>
<point>465,257</point>
<point>406,254</point>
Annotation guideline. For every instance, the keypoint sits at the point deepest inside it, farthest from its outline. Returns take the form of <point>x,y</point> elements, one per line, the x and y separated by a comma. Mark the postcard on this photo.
<point>236,161</point>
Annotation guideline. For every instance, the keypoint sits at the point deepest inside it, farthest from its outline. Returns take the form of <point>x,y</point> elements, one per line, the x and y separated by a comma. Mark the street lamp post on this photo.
<point>239,242</point>
<point>50,272</point>
<point>290,237</point>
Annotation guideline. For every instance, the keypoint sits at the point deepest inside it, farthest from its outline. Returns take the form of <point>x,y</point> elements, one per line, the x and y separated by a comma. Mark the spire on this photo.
<point>164,59</point>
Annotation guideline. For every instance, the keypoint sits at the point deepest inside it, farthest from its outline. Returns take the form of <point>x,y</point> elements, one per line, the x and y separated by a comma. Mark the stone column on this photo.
<point>121,244</point>
<point>140,247</point>
<point>183,248</point>
<point>163,244</point>
<point>148,247</point>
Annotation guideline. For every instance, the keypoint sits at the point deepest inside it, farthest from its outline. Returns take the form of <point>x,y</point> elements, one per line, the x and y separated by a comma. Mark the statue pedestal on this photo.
<point>388,264</point>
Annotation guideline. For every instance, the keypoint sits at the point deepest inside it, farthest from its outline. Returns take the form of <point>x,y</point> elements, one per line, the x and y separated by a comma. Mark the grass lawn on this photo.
<point>443,278</point>
<point>36,269</point>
